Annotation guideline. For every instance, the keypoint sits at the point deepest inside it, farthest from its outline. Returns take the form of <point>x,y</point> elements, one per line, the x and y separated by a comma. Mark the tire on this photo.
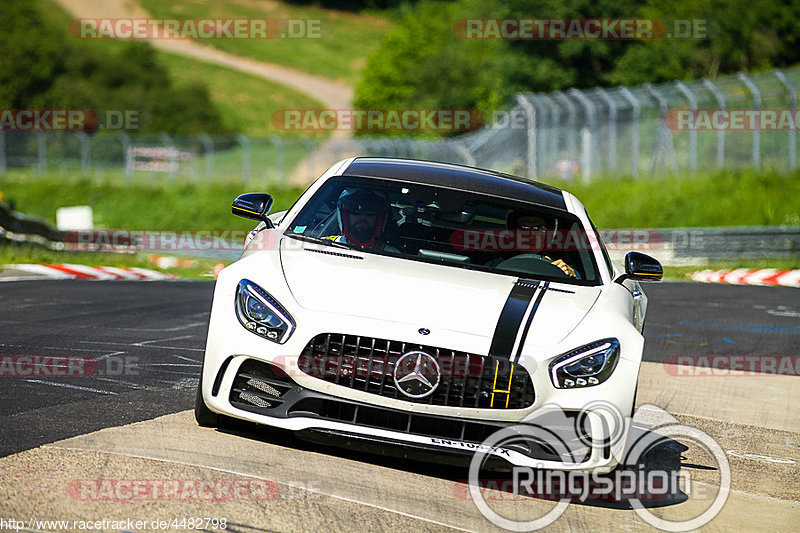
<point>205,417</point>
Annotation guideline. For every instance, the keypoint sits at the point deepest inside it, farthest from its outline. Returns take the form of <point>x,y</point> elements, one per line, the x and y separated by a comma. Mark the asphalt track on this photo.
<point>147,339</point>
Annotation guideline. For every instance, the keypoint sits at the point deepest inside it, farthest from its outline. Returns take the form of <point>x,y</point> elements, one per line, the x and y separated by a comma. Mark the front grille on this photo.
<point>467,380</point>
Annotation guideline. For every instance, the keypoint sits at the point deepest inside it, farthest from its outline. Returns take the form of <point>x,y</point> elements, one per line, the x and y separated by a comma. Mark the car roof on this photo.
<point>457,177</point>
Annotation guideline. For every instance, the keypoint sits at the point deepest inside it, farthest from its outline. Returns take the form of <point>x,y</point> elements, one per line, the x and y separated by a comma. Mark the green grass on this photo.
<point>741,198</point>
<point>11,254</point>
<point>346,39</point>
<point>245,102</point>
<point>163,206</point>
<point>731,199</point>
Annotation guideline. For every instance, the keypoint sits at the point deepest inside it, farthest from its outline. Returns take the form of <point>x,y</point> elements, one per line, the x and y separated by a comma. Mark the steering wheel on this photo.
<point>531,264</point>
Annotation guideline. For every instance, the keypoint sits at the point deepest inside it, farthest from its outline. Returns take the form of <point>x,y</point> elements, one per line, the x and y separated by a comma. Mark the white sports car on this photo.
<point>415,308</point>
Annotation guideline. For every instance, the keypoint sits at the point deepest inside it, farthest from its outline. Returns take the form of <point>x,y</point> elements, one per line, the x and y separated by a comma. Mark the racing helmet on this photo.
<point>362,201</point>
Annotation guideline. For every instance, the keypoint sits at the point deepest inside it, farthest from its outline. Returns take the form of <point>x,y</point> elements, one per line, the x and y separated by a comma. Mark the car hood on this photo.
<point>332,280</point>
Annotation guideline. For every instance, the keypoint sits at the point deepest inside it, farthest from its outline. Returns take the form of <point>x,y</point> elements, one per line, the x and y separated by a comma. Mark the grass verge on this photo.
<point>742,198</point>
<point>345,39</point>
<point>160,206</point>
<point>11,253</point>
<point>245,102</point>
<point>733,198</point>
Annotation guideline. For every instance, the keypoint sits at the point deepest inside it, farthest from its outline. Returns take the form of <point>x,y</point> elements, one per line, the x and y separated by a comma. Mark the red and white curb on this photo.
<point>68,271</point>
<point>747,276</point>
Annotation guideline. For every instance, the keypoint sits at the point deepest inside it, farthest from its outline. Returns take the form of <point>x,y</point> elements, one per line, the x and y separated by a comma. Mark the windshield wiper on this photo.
<point>318,240</point>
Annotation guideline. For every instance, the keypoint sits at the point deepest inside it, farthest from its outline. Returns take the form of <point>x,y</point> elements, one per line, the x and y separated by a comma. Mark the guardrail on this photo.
<point>699,246</point>
<point>21,228</point>
<point>671,246</point>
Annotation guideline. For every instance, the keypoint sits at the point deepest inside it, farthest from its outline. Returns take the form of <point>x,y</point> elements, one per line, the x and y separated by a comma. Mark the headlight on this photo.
<point>260,313</point>
<point>586,366</point>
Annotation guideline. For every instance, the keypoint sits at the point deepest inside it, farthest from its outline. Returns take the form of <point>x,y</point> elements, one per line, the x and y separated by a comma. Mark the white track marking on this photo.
<point>146,346</point>
<point>176,328</point>
<point>142,343</point>
<point>761,458</point>
<point>74,349</point>
<point>68,386</point>
<point>185,358</point>
<point>123,382</point>
<point>106,356</point>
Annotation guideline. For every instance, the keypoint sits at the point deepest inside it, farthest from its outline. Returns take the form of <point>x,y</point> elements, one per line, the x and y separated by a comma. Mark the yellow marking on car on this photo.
<point>507,392</point>
<point>246,210</point>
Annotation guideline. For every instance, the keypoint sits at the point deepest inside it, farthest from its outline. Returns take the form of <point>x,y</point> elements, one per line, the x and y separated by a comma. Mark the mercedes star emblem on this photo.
<point>416,374</point>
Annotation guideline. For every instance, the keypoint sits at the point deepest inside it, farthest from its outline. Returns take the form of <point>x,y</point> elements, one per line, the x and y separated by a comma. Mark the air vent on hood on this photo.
<point>339,254</point>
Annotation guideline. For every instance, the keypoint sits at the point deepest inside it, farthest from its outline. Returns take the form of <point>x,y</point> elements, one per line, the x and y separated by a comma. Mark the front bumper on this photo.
<point>264,393</point>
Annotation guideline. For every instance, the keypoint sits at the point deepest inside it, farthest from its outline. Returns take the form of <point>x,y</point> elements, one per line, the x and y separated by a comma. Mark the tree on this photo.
<point>422,62</point>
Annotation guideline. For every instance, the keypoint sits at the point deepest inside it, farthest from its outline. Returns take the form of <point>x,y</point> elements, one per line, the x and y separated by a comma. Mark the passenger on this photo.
<point>517,221</point>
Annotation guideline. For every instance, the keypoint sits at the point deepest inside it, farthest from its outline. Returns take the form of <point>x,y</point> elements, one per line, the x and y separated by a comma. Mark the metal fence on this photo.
<point>631,131</point>
<point>571,134</point>
<point>139,157</point>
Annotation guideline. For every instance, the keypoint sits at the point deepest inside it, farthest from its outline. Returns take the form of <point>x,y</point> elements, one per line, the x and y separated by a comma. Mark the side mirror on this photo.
<point>254,205</point>
<point>641,267</point>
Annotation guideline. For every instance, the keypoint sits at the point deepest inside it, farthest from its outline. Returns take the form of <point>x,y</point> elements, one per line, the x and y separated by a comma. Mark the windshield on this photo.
<point>449,227</point>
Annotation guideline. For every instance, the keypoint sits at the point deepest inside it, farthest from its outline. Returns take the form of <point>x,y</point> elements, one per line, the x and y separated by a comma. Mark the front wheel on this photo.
<point>205,417</point>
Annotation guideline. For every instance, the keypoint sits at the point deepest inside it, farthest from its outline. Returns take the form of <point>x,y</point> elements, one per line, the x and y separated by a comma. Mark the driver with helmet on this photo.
<point>363,217</point>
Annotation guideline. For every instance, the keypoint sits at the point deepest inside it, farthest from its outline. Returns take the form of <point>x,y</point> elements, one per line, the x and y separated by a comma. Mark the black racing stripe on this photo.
<point>530,319</point>
<point>505,333</point>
